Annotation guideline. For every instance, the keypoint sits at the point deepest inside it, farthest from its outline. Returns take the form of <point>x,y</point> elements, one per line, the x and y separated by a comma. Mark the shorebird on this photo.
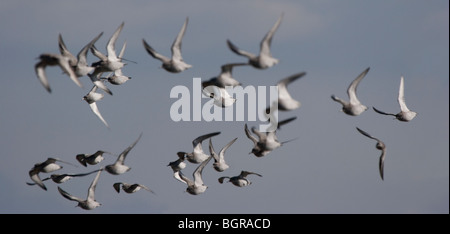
<point>240,180</point>
<point>196,186</point>
<point>220,96</point>
<point>90,202</point>
<point>264,59</point>
<point>91,98</point>
<point>225,77</point>
<point>354,106</point>
<point>47,166</point>
<point>119,167</point>
<point>91,159</point>
<point>381,146</point>
<point>267,141</point>
<point>61,178</point>
<point>49,59</point>
<point>118,78</point>
<point>405,115</point>
<point>178,165</point>
<point>285,101</point>
<point>110,62</point>
<point>130,188</point>
<point>176,63</point>
<point>198,156</point>
<point>219,159</point>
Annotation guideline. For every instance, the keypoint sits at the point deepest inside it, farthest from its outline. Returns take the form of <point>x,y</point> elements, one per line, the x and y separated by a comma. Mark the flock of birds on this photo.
<point>263,142</point>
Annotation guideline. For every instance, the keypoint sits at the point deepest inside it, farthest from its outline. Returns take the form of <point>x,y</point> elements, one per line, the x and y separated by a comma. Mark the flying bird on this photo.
<point>90,202</point>
<point>197,185</point>
<point>198,156</point>
<point>91,98</point>
<point>61,178</point>
<point>264,59</point>
<point>119,167</point>
<point>49,59</point>
<point>240,180</point>
<point>175,64</point>
<point>381,146</point>
<point>225,77</point>
<point>178,165</point>
<point>82,68</point>
<point>354,106</point>
<point>405,115</point>
<point>220,96</point>
<point>285,100</point>
<point>219,159</point>
<point>130,188</point>
<point>109,62</point>
<point>118,78</point>
<point>91,159</point>
<point>267,141</point>
<point>47,166</point>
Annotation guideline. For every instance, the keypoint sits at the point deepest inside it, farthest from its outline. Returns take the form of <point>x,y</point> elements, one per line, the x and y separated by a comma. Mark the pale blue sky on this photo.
<point>330,168</point>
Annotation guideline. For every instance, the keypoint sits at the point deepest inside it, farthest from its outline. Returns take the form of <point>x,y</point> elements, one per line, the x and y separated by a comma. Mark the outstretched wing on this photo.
<point>124,154</point>
<point>401,96</point>
<point>83,52</point>
<point>110,47</point>
<point>282,85</point>
<point>222,151</point>
<point>197,142</point>
<point>249,135</point>
<point>176,46</point>
<point>65,52</point>
<point>381,112</point>
<point>153,52</point>
<point>381,164</point>
<point>198,180</point>
<point>267,40</point>
<point>246,173</point>
<point>94,109</point>
<point>68,196</point>
<point>40,72</point>
<point>351,91</point>
<point>91,190</point>
<point>238,51</point>
<point>366,134</point>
